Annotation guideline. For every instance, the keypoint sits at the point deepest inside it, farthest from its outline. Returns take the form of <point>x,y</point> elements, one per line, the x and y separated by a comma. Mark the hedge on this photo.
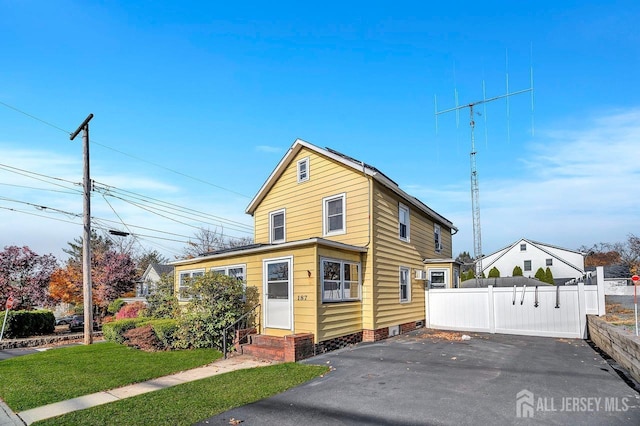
<point>28,323</point>
<point>164,329</point>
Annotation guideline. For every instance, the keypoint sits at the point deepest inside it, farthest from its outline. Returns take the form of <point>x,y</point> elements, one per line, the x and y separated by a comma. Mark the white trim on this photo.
<point>367,170</point>
<point>445,272</point>
<point>284,226</point>
<point>260,249</point>
<point>437,244</point>
<point>408,284</point>
<point>190,272</point>
<point>342,263</point>
<point>325,218</point>
<point>300,162</point>
<point>226,268</point>
<point>265,263</point>
<point>401,208</point>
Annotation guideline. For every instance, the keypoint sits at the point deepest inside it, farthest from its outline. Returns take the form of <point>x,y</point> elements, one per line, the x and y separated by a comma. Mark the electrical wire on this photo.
<point>40,189</point>
<point>93,141</point>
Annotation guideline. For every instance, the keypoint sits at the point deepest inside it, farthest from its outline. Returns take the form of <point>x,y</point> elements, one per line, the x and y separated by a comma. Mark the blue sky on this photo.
<point>218,92</point>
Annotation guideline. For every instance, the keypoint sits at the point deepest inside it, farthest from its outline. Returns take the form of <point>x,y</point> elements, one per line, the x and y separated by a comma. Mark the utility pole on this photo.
<point>86,233</point>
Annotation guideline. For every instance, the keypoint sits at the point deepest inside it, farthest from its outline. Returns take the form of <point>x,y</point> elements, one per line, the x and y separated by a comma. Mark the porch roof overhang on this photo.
<point>440,261</point>
<point>269,247</point>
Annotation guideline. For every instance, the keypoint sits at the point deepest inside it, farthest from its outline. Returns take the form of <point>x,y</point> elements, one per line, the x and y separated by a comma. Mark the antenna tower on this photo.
<point>475,189</point>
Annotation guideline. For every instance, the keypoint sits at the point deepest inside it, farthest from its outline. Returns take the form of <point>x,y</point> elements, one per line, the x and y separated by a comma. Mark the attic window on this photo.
<point>549,262</point>
<point>523,247</point>
<point>303,170</point>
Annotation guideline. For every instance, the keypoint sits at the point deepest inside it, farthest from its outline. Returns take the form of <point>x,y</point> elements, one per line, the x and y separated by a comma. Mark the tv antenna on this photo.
<point>475,189</point>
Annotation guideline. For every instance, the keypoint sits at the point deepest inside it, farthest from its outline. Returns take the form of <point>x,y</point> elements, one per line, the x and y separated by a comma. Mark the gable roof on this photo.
<point>539,246</point>
<point>349,162</point>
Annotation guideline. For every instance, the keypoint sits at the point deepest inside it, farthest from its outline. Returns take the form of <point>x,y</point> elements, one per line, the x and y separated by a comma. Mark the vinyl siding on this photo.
<point>303,202</point>
<point>338,318</point>
<point>304,259</point>
<point>390,253</point>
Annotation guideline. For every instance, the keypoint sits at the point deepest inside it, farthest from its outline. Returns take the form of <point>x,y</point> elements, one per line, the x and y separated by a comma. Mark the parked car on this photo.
<point>77,323</point>
<point>64,320</point>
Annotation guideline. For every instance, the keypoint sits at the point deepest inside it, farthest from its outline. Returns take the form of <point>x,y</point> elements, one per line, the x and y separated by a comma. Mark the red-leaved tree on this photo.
<point>25,275</point>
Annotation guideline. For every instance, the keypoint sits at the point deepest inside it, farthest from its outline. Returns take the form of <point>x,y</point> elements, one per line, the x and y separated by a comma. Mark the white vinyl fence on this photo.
<point>546,311</point>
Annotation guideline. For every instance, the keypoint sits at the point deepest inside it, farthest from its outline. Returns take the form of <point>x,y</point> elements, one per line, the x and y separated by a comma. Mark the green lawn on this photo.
<point>58,374</point>
<point>195,401</point>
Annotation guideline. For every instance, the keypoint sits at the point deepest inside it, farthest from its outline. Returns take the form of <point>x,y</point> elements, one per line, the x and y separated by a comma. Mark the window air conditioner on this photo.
<point>421,275</point>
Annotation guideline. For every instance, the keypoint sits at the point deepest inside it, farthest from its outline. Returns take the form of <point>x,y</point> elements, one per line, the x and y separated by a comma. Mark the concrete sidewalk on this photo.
<point>8,418</point>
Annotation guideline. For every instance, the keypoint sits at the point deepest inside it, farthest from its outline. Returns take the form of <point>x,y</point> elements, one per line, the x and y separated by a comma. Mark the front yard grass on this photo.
<point>191,402</point>
<point>58,374</point>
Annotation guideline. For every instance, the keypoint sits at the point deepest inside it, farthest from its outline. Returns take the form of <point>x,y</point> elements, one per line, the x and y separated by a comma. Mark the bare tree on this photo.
<point>629,252</point>
<point>207,240</point>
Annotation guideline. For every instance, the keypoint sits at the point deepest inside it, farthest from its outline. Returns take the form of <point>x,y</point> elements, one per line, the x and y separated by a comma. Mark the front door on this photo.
<point>277,288</point>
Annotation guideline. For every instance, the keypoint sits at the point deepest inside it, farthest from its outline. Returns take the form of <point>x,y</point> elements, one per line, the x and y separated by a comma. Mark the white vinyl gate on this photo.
<point>548,311</point>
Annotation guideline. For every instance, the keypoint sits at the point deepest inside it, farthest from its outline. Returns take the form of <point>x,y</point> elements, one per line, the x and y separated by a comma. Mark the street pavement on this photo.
<point>490,379</point>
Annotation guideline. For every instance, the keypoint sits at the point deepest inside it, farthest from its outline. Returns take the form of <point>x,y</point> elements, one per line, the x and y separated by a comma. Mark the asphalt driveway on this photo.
<point>421,379</point>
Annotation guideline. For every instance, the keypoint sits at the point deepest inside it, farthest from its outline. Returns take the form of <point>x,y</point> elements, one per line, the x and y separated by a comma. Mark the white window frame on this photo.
<point>341,297</point>
<point>549,262</point>
<point>185,284</point>
<point>272,214</point>
<point>302,178</point>
<point>224,270</point>
<point>402,208</point>
<point>406,271</point>
<point>437,238</point>
<point>523,247</point>
<point>524,266</point>
<point>325,215</point>
<point>445,276</point>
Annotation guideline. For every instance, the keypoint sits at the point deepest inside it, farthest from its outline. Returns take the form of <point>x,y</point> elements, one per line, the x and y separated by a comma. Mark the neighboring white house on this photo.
<point>151,277</point>
<point>530,255</point>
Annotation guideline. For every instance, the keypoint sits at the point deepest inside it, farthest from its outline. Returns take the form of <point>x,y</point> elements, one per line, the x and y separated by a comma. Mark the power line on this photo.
<point>39,189</point>
<point>154,201</point>
<point>28,174</point>
<point>38,215</point>
<point>41,207</point>
<point>93,141</point>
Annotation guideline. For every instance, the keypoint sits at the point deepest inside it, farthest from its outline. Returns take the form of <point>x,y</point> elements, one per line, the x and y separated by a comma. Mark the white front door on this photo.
<point>278,289</point>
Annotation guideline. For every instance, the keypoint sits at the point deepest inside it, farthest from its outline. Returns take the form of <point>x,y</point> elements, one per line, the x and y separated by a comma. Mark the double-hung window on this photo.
<point>333,212</point>
<point>185,278</point>
<point>340,280</point>
<point>403,220</point>
<point>303,170</point>
<point>238,272</point>
<point>277,226</point>
<point>405,284</point>
<point>437,238</point>
<point>527,265</point>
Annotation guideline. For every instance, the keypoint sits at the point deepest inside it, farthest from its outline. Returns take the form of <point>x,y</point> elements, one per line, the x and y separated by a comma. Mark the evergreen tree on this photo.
<point>540,275</point>
<point>494,273</point>
<point>517,271</point>
<point>548,276</point>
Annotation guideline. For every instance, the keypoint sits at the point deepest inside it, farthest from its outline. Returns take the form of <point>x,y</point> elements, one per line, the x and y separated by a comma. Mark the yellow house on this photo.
<point>341,253</point>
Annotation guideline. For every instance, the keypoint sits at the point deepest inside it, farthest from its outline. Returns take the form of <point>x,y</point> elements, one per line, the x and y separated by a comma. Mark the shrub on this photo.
<point>548,276</point>
<point>143,338</point>
<point>165,330</point>
<point>162,302</point>
<point>517,271</point>
<point>130,310</point>
<point>115,306</point>
<point>494,273</point>
<point>114,331</point>
<point>217,302</point>
<point>540,275</point>
<point>28,323</point>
